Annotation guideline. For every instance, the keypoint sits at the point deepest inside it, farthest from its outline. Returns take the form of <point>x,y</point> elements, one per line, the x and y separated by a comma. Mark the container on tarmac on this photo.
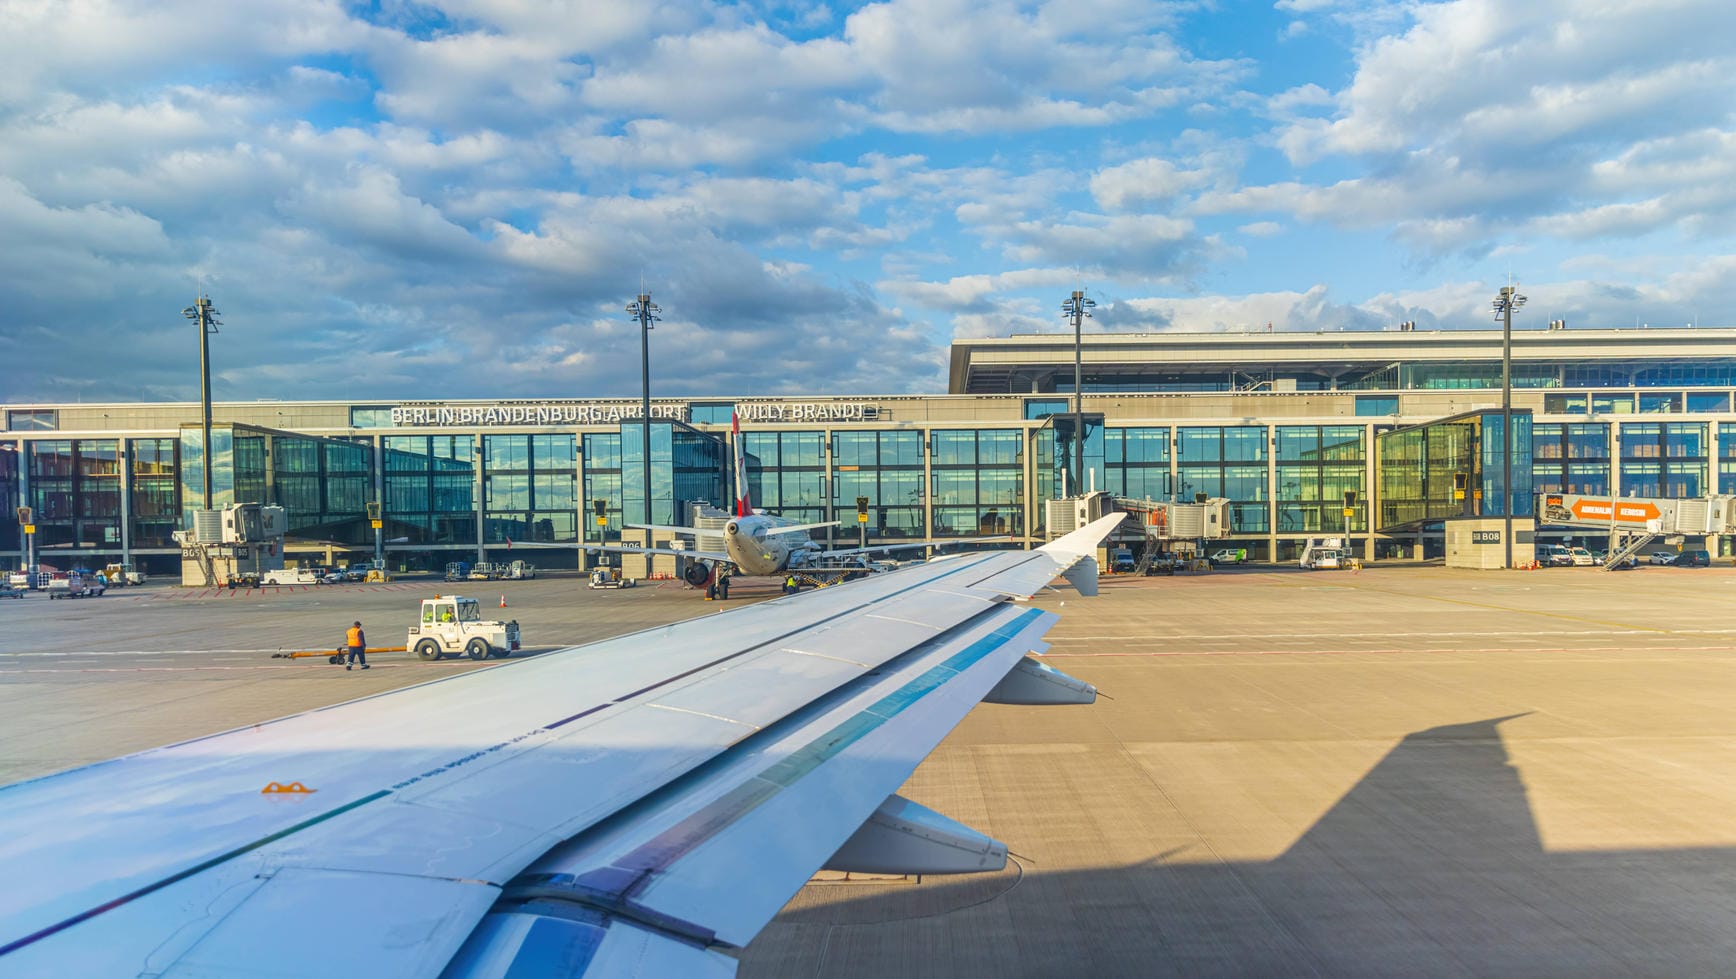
<point>451,625</point>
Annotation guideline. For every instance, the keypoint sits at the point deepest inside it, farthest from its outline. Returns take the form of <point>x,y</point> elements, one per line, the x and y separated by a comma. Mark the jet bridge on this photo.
<point>1637,520</point>
<point>1159,523</point>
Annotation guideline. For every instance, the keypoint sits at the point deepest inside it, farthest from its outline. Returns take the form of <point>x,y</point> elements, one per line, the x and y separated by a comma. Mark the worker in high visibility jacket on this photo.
<point>358,644</point>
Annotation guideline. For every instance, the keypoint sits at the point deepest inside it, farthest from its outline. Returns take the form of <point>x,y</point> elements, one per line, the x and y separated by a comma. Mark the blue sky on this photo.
<point>405,200</point>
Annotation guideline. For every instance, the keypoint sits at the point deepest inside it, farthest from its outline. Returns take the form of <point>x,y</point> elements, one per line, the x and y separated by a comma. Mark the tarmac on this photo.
<point>1412,770</point>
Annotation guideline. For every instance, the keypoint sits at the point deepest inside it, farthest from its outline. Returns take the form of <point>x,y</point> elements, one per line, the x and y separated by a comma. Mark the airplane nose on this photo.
<point>730,528</point>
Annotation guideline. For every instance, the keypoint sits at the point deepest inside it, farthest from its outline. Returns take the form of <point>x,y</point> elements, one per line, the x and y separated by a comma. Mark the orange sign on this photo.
<point>1626,511</point>
<point>293,788</point>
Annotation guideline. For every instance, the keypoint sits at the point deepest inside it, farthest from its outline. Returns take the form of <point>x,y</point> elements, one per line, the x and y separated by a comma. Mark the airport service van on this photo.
<point>293,576</point>
<point>451,625</point>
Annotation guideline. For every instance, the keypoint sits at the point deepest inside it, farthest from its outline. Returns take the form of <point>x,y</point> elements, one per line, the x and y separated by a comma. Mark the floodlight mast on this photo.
<point>1506,301</point>
<point>203,313</point>
<point>645,311</point>
<point>1078,308</point>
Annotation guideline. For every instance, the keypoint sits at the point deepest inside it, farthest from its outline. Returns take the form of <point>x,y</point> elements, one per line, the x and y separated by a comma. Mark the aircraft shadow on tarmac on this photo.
<point>1431,864</point>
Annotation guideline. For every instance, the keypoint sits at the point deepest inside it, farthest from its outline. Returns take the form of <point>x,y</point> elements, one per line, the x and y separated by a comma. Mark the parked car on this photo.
<point>1230,555</point>
<point>1692,559</point>
<point>1554,556</point>
<point>1661,557</point>
<point>1581,557</point>
<point>1121,560</point>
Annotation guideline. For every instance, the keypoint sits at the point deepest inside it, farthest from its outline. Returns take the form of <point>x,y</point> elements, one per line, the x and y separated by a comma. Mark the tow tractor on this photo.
<point>452,625</point>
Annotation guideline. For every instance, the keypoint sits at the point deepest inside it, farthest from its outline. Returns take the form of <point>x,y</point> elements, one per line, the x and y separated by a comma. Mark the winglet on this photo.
<point>1083,542</point>
<point>1077,552</point>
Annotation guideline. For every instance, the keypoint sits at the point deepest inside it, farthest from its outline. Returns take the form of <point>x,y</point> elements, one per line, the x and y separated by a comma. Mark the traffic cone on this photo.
<point>503,601</point>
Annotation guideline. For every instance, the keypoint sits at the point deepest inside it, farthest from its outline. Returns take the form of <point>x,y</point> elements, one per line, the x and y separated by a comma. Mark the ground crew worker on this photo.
<point>723,587</point>
<point>790,586</point>
<point>358,644</point>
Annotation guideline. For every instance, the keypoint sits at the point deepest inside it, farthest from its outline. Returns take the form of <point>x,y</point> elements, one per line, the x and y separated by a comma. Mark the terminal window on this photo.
<point>27,421</point>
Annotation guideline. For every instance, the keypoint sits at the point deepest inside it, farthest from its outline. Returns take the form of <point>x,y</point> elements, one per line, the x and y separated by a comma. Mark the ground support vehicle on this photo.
<point>457,571</point>
<point>292,576</point>
<point>609,578</point>
<point>19,579</point>
<point>74,585</point>
<point>521,571</point>
<point>451,625</point>
<point>123,574</point>
<point>1230,555</point>
<point>7,591</point>
<point>1330,559</point>
<point>1581,557</point>
<point>482,572</point>
<point>1165,564</point>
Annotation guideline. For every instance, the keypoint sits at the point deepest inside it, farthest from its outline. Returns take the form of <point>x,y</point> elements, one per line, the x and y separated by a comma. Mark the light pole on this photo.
<point>203,313</point>
<point>645,311</point>
<point>1077,308</point>
<point>1506,301</point>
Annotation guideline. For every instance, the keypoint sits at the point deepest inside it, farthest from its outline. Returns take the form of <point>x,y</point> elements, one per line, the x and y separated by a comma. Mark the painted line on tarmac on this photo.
<point>1238,636</point>
<point>150,652</point>
<point>1388,652</point>
<point>202,669</point>
<point>1517,610</point>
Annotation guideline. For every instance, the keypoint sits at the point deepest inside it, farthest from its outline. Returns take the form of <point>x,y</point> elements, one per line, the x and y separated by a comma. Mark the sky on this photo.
<point>425,201</point>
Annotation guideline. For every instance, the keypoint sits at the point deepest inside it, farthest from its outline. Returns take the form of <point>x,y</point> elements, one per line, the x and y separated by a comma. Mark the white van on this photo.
<point>293,576</point>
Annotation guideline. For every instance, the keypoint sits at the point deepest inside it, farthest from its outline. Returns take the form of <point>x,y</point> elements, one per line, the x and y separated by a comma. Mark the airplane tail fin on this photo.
<point>743,507</point>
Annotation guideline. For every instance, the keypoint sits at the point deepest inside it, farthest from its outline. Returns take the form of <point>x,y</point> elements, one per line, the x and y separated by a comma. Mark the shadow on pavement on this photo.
<point>1430,865</point>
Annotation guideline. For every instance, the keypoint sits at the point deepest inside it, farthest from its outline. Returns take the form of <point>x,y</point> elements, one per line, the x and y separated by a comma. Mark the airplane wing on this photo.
<point>640,806</point>
<point>671,529</point>
<point>624,549</point>
<point>799,528</point>
<point>914,544</point>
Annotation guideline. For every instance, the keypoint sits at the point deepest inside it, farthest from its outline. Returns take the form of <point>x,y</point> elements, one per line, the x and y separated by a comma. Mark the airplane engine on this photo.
<point>698,574</point>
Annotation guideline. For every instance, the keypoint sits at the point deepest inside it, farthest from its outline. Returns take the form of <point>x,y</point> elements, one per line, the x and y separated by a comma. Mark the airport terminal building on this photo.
<point>1282,424</point>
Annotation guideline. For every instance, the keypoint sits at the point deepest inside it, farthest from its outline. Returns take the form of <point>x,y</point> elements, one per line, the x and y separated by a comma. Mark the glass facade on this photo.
<point>978,482</point>
<point>1570,458</point>
<point>1665,459</point>
<point>1230,462</point>
<point>1422,470</point>
<point>75,490</point>
<point>1137,461</point>
<point>1057,456</point>
<point>430,489</point>
<point>686,465</point>
<point>886,467</point>
<point>530,489</point>
<point>786,473</point>
<point>1727,458</point>
<point>155,502</point>
<point>1316,466</point>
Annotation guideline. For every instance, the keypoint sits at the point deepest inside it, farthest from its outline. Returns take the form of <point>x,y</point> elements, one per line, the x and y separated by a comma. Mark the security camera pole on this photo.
<point>1077,307</point>
<point>645,311</point>
<point>1507,300</point>
<point>205,315</point>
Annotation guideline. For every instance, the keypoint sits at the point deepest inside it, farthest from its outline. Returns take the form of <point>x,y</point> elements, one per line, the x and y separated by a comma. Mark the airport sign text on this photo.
<point>819,411</point>
<point>563,413</point>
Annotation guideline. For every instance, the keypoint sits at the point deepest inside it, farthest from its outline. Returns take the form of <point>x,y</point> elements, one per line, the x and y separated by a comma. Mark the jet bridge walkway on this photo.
<point>1636,521</point>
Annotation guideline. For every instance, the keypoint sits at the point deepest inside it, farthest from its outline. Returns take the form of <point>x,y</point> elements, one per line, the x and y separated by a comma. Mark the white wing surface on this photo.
<point>640,806</point>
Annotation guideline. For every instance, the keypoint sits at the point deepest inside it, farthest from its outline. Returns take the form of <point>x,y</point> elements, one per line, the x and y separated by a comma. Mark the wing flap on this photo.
<point>808,783</point>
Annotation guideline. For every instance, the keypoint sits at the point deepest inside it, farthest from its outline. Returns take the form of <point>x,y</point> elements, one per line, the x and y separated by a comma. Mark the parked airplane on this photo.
<point>641,806</point>
<point>757,543</point>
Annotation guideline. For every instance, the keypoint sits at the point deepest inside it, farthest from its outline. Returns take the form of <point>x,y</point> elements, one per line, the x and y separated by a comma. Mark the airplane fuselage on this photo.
<point>757,551</point>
